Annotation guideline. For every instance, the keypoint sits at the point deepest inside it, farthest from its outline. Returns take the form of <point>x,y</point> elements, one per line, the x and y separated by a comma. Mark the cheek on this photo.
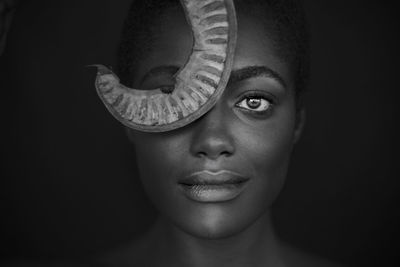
<point>267,148</point>
<point>155,155</point>
<point>272,147</point>
<point>158,157</point>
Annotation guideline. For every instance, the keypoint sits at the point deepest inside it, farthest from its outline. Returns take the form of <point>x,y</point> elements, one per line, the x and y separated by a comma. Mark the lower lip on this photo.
<point>213,193</point>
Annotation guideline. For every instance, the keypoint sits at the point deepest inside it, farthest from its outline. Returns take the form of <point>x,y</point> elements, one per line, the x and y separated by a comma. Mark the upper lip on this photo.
<point>206,177</point>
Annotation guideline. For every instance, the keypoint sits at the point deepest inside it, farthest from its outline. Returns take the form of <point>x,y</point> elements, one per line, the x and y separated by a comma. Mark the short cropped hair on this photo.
<point>284,20</point>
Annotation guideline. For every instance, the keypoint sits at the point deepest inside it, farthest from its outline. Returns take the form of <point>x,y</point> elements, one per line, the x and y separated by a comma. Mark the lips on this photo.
<point>209,186</point>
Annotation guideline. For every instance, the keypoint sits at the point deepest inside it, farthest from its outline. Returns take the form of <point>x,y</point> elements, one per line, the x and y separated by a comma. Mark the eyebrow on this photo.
<point>254,72</point>
<point>236,75</point>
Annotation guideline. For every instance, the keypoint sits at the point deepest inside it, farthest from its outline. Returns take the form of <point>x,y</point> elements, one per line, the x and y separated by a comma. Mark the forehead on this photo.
<point>172,44</point>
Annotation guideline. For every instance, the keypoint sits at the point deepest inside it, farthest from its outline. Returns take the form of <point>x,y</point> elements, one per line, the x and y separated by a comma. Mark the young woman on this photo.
<point>245,140</point>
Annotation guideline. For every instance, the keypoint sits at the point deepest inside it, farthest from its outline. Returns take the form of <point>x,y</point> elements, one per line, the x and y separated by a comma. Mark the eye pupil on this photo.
<point>253,102</point>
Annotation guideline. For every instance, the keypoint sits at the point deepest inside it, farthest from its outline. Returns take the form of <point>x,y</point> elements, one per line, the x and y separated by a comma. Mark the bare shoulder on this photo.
<point>298,258</point>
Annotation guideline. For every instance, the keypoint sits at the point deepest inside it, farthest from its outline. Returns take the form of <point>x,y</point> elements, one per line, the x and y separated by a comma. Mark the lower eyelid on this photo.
<point>254,115</point>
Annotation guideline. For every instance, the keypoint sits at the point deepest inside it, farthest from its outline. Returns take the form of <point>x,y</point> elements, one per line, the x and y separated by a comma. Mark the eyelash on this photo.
<point>266,101</point>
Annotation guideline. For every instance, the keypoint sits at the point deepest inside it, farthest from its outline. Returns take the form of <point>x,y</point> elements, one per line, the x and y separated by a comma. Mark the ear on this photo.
<point>300,121</point>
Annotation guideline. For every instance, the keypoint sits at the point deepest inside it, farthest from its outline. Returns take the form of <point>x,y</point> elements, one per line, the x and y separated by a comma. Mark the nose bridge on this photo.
<point>212,137</point>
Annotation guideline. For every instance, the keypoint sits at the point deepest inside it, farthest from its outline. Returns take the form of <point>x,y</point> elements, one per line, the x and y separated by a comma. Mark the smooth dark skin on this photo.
<point>230,136</point>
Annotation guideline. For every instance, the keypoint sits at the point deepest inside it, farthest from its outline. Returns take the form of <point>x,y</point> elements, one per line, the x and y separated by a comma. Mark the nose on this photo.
<point>212,137</point>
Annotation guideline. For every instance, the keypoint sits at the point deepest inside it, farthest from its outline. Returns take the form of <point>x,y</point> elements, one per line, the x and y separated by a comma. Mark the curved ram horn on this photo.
<point>198,84</point>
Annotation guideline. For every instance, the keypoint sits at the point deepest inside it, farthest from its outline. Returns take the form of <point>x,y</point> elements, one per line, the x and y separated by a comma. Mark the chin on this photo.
<point>215,221</point>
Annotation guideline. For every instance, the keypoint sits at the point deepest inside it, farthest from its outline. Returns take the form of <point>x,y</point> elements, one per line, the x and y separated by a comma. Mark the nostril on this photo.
<point>213,150</point>
<point>211,155</point>
<point>201,154</point>
<point>226,153</point>
<point>212,138</point>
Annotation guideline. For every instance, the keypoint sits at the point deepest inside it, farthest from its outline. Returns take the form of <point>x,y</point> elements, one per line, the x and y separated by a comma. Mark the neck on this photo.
<point>255,246</point>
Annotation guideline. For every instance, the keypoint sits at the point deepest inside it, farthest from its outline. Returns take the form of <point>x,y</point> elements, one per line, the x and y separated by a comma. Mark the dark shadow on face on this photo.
<point>250,131</point>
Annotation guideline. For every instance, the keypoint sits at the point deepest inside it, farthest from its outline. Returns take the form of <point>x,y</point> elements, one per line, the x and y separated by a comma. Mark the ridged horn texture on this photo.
<point>199,83</point>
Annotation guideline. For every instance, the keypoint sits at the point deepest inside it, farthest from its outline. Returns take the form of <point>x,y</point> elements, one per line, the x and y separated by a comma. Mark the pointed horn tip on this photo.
<point>101,69</point>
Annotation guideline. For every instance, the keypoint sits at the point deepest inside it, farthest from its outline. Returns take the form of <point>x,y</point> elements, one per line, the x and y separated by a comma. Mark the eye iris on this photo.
<point>253,102</point>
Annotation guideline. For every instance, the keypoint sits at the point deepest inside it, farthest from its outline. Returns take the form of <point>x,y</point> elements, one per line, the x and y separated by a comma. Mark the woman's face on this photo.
<point>243,142</point>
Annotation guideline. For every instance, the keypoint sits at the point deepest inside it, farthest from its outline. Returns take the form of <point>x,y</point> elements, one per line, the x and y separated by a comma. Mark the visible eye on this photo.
<point>255,103</point>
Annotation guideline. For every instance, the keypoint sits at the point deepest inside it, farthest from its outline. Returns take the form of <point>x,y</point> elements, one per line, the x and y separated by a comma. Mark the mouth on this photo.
<point>207,186</point>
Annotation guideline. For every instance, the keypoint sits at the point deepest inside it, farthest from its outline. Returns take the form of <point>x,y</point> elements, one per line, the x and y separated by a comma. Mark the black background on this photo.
<point>68,182</point>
